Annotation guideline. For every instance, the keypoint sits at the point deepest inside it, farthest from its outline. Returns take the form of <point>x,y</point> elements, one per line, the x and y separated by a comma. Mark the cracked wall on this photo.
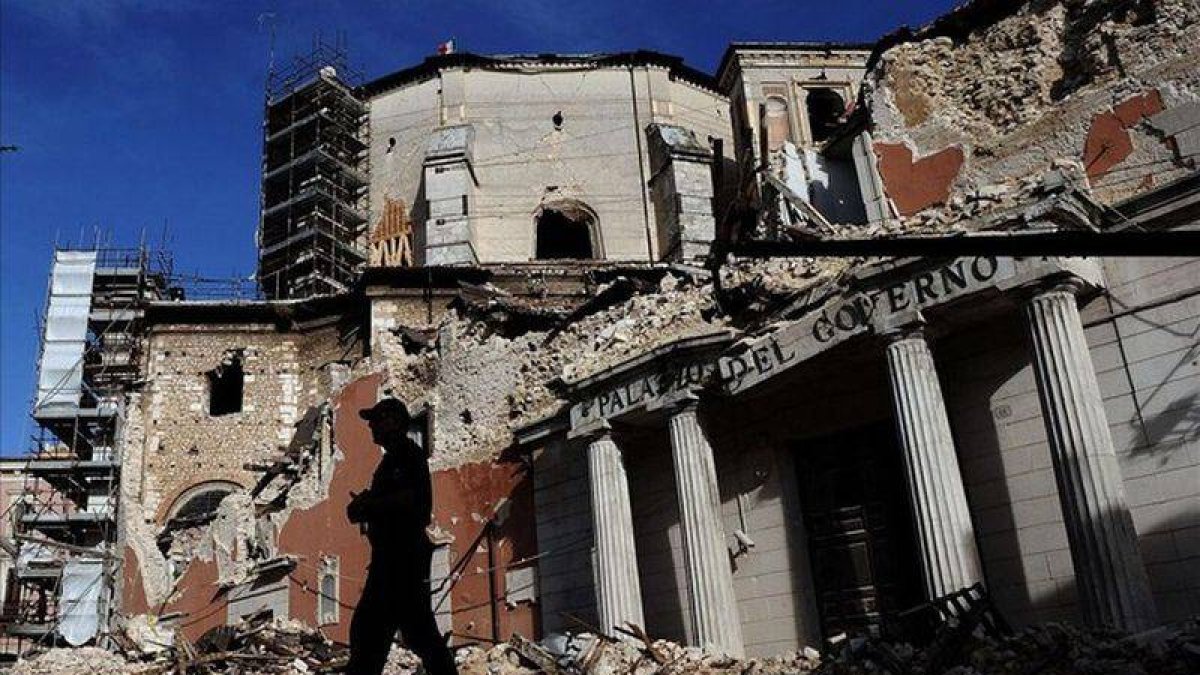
<point>484,385</point>
<point>185,445</point>
<point>520,159</point>
<point>1021,87</point>
<point>171,443</point>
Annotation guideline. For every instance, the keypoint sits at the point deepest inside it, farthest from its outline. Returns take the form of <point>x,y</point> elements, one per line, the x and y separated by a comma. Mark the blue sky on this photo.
<point>140,117</point>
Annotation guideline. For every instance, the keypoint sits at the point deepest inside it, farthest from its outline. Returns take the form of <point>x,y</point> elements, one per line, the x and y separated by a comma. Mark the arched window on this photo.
<point>566,230</point>
<point>199,503</point>
<point>195,508</point>
<point>777,122</point>
<point>825,110</point>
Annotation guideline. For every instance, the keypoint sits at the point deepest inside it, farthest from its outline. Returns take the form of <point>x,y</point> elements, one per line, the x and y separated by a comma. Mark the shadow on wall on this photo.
<point>1172,428</point>
<point>1015,503</point>
<point>418,215</point>
<point>1171,551</point>
<point>661,567</point>
<point>1081,62</point>
<point>996,422</point>
<point>760,444</point>
<point>1178,422</point>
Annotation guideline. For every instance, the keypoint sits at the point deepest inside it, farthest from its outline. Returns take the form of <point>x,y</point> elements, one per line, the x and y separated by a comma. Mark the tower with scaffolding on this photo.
<point>65,523</point>
<point>311,235</point>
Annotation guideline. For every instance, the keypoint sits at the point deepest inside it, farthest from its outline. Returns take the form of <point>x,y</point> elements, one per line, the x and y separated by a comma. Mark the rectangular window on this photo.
<point>327,596</point>
<point>225,383</point>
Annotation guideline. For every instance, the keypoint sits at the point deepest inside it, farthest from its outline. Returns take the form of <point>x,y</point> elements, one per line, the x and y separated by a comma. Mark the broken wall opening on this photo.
<point>188,521</point>
<point>825,110</point>
<point>225,385</point>
<point>835,184</point>
<point>566,231</point>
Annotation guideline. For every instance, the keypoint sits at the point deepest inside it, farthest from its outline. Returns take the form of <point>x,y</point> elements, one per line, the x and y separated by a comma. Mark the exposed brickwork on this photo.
<point>464,498</point>
<point>1032,87</point>
<point>187,446</point>
<point>917,185</point>
<point>1108,141</point>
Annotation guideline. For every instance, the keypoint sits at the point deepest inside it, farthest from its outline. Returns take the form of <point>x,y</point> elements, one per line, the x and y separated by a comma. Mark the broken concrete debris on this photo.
<point>263,647</point>
<point>76,661</point>
<point>238,445</point>
<point>1015,86</point>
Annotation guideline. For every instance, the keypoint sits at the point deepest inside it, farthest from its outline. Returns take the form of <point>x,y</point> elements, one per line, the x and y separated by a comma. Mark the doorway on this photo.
<point>860,535</point>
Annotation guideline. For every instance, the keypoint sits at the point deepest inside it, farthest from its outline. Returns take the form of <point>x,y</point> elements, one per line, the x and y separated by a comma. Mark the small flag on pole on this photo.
<point>446,47</point>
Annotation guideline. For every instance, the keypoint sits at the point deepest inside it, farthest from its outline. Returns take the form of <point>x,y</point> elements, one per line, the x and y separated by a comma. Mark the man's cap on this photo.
<point>388,407</point>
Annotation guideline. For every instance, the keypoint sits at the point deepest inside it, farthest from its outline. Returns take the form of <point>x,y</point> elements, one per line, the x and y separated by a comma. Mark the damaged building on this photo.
<point>653,388</point>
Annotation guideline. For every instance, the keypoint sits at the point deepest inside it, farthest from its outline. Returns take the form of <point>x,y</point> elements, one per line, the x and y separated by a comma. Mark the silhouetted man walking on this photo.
<point>395,511</point>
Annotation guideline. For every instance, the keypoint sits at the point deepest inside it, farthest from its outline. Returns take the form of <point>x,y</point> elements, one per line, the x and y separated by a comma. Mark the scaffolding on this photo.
<point>64,523</point>
<point>311,235</point>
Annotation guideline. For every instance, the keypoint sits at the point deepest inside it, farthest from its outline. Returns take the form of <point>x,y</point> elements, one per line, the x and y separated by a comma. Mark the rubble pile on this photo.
<point>77,661</point>
<point>1060,648</point>
<point>270,647</point>
<point>267,647</point>
<point>1016,85</point>
<point>478,354</point>
<point>254,647</point>
<point>1045,649</point>
<point>587,654</point>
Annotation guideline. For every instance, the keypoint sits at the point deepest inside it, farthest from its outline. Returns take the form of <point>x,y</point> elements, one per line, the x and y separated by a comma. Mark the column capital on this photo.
<point>899,325</point>
<point>680,402</point>
<point>1058,284</point>
<point>592,431</point>
<point>915,330</point>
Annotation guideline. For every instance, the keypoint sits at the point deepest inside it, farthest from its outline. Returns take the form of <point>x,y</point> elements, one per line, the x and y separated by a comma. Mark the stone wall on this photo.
<point>1148,363</point>
<point>1004,457</point>
<point>1145,359</point>
<point>998,92</point>
<point>184,444</point>
<point>562,504</point>
<point>484,384</point>
<point>521,161</point>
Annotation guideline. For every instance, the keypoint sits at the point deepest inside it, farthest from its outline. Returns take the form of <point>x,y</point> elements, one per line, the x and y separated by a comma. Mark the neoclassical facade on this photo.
<point>725,469</point>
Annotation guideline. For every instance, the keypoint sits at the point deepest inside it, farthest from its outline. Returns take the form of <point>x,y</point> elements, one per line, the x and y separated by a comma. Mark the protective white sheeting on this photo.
<point>79,604</point>
<point>60,373</point>
<point>31,554</point>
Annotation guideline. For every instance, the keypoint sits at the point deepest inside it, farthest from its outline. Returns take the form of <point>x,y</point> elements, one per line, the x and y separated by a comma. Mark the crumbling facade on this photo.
<point>631,421</point>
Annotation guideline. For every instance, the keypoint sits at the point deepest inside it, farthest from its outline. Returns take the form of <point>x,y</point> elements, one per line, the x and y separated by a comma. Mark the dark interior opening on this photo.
<point>225,384</point>
<point>825,110</point>
<point>201,507</point>
<point>198,510</point>
<point>564,236</point>
<point>860,535</point>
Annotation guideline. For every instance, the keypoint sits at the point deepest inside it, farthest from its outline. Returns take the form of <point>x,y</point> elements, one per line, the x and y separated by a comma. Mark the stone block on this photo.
<point>454,254</point>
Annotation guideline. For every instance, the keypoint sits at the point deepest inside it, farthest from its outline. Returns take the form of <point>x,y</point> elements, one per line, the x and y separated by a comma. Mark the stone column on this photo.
<point>1113,588</point>
<point>618,589</point>
<point>709,571</point>
<point>949,558</point>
